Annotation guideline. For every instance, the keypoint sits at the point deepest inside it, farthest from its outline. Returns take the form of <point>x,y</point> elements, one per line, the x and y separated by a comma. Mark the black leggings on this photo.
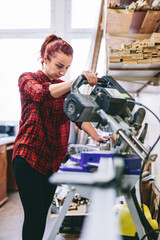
<point>36,195</point>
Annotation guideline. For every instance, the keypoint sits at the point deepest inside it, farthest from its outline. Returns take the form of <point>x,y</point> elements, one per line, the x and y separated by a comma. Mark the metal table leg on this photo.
<point>62,213</point>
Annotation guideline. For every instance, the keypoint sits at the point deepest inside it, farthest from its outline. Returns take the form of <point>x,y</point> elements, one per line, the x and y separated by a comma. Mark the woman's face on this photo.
<point>57,66</point>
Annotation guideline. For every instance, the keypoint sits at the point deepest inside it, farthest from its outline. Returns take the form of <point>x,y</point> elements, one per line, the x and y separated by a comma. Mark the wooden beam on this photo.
<point>133,69</point>
<point>133,36</point>
<point>98,40</point>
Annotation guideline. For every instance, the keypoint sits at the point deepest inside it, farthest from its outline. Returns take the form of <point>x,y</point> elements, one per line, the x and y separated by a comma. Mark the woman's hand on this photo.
<point>97,138</point>
<point>101,139</point>
<point>91,77</point>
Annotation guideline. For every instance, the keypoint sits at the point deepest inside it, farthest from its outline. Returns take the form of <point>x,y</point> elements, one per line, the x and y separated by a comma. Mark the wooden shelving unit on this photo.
<point>120,26</point>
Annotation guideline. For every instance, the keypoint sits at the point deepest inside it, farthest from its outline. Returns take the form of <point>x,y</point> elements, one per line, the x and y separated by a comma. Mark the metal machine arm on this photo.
<point>107,104</point>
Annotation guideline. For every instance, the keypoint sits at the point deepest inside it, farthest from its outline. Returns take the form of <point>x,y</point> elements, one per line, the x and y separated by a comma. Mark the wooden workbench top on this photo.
<point>7,140</point>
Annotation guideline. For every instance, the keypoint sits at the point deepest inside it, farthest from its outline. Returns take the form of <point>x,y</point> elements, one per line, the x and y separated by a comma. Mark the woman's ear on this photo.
<point>45,59</point>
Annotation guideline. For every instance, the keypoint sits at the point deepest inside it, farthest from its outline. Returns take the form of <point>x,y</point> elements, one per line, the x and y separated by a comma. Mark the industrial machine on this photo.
<point>104,173</point>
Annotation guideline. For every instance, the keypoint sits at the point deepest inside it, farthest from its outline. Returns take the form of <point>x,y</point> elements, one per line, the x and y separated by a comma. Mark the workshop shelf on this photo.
<point>123,21</point>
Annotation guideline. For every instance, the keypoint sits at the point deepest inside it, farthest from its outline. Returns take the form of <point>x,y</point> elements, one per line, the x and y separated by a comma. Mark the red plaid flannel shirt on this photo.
<point>44,128</point>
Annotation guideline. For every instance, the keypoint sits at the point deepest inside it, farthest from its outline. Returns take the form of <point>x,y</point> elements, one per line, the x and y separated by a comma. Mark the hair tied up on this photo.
<point>48,50</point>
<point>52,38</point>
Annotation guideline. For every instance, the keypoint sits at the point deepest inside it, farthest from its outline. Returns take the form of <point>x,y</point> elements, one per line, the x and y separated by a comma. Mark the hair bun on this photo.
<point>52,38</point>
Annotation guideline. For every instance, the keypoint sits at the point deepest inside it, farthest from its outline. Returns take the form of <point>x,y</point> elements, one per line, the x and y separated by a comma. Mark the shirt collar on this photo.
<point>43,76</point>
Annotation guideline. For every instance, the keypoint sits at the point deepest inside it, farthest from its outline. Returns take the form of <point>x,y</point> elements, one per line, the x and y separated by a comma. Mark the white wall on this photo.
<point>150,97</point>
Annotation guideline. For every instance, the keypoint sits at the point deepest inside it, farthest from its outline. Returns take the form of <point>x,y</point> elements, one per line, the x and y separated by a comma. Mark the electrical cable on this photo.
<point>150,232</point>
<point>140,104</point>
<point>146,158</point>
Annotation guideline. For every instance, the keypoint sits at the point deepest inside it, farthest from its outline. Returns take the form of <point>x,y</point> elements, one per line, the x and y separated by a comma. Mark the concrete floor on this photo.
<point>11,220</point>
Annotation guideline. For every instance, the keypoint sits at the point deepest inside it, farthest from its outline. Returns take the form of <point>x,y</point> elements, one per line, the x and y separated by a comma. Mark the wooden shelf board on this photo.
<point>119,20</point>
<point>144,67</point>
<point>134,87</point>
<point>134,70</point>
<point>132,36</point>
<point>150,21</point>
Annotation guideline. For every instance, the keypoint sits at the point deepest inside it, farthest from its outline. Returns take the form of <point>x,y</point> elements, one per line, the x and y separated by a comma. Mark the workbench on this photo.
<point>7,180</point>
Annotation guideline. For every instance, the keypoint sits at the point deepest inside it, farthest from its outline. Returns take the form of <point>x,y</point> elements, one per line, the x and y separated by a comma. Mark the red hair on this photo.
<point>52,45</point>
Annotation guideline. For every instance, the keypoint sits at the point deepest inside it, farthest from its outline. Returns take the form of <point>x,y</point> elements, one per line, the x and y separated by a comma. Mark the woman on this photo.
<point>43,134</point>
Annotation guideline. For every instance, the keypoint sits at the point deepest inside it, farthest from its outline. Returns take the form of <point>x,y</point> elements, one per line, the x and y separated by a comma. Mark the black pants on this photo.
<point>36,195</point>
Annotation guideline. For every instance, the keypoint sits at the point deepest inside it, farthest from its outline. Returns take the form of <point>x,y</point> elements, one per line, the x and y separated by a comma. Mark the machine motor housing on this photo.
<point>107,95</point>
<point>79,107</point>
<point>110,100</point>
<point>111,97</point>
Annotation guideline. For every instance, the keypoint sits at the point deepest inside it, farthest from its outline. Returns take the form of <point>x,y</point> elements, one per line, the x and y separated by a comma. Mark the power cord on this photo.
<point>149,233</point>
<point>140,104</point>
<point>146,158</point>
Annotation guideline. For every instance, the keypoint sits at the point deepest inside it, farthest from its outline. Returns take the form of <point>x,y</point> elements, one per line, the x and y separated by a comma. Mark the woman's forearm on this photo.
<point>56,90</point>
<point>90,130</point>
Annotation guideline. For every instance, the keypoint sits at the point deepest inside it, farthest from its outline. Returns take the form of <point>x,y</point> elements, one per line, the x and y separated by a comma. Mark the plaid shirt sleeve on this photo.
<point>32,89</point>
